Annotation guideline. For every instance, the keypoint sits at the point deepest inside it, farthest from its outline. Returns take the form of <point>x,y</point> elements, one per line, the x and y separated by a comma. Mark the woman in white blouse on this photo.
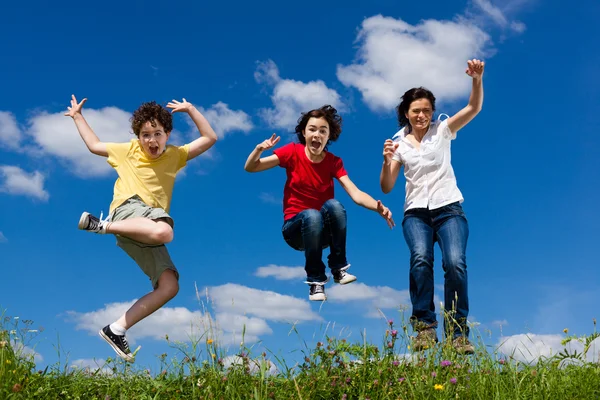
<point>432,210</point>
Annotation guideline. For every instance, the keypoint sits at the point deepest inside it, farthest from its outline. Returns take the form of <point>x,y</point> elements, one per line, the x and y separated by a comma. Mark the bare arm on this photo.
<point>390,167</point>
<point>207,138</point>
<point>464,116</point>
<point>255,163</point>
<point>363,199</point>
<point>90,139</point>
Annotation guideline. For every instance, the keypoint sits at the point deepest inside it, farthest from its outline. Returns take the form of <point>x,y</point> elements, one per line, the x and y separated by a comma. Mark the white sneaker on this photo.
<point>317,291</point>
<point>342,277</point>
<point>88,222</point>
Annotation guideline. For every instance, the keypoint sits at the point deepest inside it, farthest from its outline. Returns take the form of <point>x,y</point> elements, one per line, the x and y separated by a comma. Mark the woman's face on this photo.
<point>419,114</point>
<point>316,135</point>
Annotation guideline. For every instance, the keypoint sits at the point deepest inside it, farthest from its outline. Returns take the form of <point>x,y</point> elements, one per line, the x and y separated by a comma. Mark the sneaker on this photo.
<point>425,339</point>
<point>88,222</point>
<point>317,291</point>
<point>118,343</point>
<point>462,345</point>
<point>342,277</point>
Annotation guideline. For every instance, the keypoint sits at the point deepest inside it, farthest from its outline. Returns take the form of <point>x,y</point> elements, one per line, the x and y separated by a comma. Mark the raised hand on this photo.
<point>178,106</point>
<point>389,148</point>
<point>75,107</point>
<point>385,213</point>
<point>475,68</point>
<point>269,143</point>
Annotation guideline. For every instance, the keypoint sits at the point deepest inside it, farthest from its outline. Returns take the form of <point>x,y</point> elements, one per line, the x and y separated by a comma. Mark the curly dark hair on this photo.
<point>151,112</point>
<point>406,100</point>
<point>329,114</point>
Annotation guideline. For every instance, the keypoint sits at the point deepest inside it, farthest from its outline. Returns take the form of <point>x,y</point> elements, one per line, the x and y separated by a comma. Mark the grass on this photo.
<point>333,369</point>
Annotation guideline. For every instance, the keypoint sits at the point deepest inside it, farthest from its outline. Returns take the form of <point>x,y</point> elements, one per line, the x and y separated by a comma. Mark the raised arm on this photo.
<point>390,167</point>
<point>207,138</point>
<point>90,139</point>
<point>255,163</point>
<point>464,116</point>
<point>363,199</point>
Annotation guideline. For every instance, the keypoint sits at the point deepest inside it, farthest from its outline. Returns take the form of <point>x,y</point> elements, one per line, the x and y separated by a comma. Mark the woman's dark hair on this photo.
<point>151,112</point>
<point>407,98</point>
<point>329,114</point>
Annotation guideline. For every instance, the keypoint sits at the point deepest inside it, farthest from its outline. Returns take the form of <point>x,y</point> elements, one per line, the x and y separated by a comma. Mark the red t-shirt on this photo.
<point>309,185</point>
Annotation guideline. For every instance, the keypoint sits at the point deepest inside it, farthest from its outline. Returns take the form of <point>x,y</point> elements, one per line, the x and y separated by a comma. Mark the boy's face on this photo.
<point>316,135</point>
<point>153,139</point>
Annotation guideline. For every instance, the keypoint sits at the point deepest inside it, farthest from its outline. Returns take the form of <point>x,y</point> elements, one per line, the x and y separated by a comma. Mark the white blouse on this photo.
<point>430,181</point>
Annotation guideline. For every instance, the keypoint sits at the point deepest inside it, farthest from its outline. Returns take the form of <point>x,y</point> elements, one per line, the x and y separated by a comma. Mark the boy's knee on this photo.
<point>168,284</point>
<point>163,232</point>
<point>334,206</point>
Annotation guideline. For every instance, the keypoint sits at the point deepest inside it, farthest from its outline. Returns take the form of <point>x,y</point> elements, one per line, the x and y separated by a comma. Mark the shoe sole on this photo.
<point>82,220</point>
<point>346,280</point>
<point>119,352</point>
<point>317,297</point>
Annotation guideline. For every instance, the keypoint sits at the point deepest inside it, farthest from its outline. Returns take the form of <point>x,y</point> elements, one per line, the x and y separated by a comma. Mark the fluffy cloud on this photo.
<point>57,135</point>
<point>375,298</point>
<point>10,134</point>
<point>484,11</point>
<point>237,299</point>
<point>15,181</point>
<point>3,238</point>
<point>280,272</point>
<point>529,348</point>
<point>92,365</point>
<point>290,98</point>
<point>270,199</point>
<point>394,56</point>
<point>224,120</point>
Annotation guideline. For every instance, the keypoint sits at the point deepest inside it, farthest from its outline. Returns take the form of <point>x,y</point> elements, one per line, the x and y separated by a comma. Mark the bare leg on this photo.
<point>166,290</point>
<point>142,230</point>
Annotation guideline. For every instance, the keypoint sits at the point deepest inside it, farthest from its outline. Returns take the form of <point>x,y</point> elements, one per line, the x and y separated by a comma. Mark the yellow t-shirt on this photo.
<point>152,180</point>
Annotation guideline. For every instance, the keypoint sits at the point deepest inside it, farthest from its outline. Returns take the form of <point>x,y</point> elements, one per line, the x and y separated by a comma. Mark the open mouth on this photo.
<point>153,150</point>
<point>315,145</point>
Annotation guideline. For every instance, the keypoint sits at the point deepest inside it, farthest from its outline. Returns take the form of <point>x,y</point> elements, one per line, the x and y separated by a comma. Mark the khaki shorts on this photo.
<point>152,259</point>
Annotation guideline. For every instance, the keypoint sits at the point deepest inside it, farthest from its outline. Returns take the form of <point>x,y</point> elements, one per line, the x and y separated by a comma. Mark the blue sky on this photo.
<point>526,165</point>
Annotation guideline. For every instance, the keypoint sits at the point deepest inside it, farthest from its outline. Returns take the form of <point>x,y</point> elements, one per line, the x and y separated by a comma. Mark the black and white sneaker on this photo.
<point>118,343</point>
<point>317,291</point>
<point>342,277</point>
<point>88,222</point>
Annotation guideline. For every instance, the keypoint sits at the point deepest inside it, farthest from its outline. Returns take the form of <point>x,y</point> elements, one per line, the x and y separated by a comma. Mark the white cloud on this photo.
<point>3,238</point>
<point>484,9</point>
<point>394,56</point>
<point>10,134</point>
<point>290,98</point>
<point>58,136</point>
<point>492,12</point>
<point>500,323</point>
<point>92,365</point>
<point>255,364</point>
<point>272,306</point>
<point>281,272</point>
<point>529,348</point>
<point>26,352</point>
<point>374,297</point>
<point>15,181</point>
<point>270,199</point>
<point>224,120</point>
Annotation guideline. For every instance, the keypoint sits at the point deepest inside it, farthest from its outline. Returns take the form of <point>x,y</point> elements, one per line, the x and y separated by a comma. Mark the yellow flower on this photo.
<point>566,330</point>
<point>209,341</point>
<point>8,361</point>
<point>438,387</point>
<point>408,347</point>
<point>214,356</point>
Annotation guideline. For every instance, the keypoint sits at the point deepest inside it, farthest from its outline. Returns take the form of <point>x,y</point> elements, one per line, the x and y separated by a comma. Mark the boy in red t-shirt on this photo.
<point>313,219</point>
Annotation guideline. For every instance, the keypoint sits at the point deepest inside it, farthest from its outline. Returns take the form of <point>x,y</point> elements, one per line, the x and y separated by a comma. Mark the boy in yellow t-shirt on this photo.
<point>139,211</point>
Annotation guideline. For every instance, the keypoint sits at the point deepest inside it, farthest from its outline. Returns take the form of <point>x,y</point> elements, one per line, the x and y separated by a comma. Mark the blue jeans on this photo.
<point>311,231</point>
<point>448,226</point>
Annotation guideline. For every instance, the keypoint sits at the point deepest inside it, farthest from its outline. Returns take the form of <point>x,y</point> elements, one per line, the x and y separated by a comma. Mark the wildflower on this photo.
<point>390,345</point>
<point>453,381</point>
<point>566,330</point>
<point>209,341</point>
<point>395,363</point>
<point>348,380</point>
<point>344,396</point>
<point>8,361</point>
<point>3,343</point>
<point>437,386</point>
<point>376,382</point>
<point>394,333</point>
<point>408,347</point>
<point>214,356</point>
<point>400,380</point>
<point>502,361</point>
<point>17,388</point>
<point>433,374</point>
<point>107,397</point>
<point>390,322</point>
<point>446,363</point>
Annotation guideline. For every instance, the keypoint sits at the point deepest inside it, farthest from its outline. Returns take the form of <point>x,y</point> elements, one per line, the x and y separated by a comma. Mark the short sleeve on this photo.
<point>182,152</point>
<point>338,168</point>
<point>117,152</point>
<point>285,155</point>
<point>444,130</point>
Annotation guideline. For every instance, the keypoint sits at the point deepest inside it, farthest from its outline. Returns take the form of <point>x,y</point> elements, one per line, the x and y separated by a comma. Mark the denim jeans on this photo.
<point>448,226</point>
<point>311,231</point>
